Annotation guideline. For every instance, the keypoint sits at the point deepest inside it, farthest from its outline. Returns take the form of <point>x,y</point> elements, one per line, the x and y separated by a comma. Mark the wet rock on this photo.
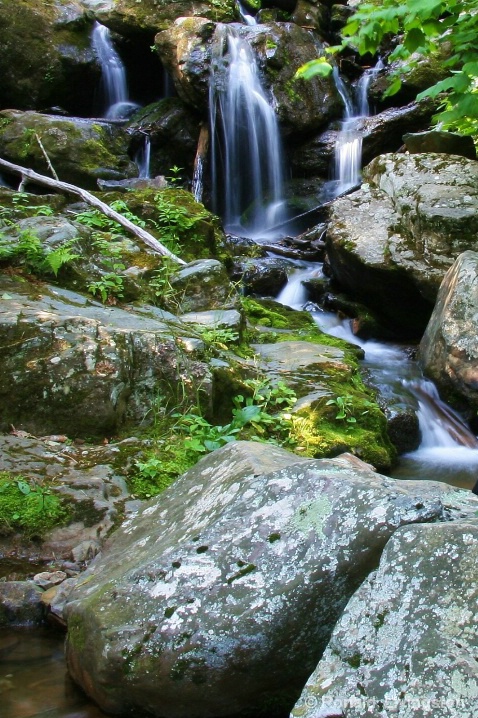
<point>82,151</point>
<point>236,621</point>
<point>406,642</point>
<point>449,349</point>
<point>391,242</point>
<point>20,603</point>
<point>105,361</point>
<point>264,277</point>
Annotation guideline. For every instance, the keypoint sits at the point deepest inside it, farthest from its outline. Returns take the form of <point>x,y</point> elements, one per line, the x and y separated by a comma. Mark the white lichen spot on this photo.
<point>312,515</point>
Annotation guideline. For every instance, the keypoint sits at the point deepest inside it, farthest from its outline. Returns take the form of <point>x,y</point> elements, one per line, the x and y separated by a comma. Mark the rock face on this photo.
<point>219,597</point>
<point>392,241</point>
<point>449,348</point>
<point>406,643</point>
<point>191,45</point>
<point>45,56</point>
<point>81,151</point>
<point>62,350</point>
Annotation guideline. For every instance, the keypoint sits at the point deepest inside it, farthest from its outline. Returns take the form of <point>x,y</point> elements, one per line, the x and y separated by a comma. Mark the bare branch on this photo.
<point>139,232</point>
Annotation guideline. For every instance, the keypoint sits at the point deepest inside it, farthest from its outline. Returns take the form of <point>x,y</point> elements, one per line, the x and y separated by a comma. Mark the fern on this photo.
<point>55,259</point>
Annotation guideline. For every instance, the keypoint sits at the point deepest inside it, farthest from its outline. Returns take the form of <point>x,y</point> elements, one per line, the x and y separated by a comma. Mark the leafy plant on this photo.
<point>110,286</point>
<point>345,408</point>
<point>175,177</point>
<point>220,338</point>
<point>160,287</point>
<point>29,252</point>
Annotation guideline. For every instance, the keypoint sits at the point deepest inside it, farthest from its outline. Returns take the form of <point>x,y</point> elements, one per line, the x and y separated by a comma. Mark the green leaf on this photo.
<point>313,68</point>
<point>414,39</point>
<point>24,487</point>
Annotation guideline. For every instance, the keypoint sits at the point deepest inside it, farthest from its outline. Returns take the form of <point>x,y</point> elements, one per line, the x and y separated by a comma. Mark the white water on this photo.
<point>348,147</point>
<point>247,167</point>
<point>448,450</point>
<point>117,103</point>
<point>245,16</point>
<point>143,158</point>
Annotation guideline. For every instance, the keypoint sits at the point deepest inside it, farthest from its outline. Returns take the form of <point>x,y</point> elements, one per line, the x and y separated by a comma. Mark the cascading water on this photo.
<point>143,158</point>
<point>247,171</point>
<point>448,451</point>
<point>246,17</point>
<point>117,104</point>
<point>348,147</point>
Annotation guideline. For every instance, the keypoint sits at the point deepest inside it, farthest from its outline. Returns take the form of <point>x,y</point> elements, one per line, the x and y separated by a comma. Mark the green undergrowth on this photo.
<point>28,507</point>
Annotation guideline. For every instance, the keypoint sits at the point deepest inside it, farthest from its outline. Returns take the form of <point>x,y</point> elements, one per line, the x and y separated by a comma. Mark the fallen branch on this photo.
<point>139,232</point>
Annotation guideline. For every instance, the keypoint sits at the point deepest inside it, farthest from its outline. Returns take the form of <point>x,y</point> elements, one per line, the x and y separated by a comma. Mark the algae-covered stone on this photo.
<point>219,597</point>
<point>406,642</point>
<point>204,284</point>
<point>81,151</point>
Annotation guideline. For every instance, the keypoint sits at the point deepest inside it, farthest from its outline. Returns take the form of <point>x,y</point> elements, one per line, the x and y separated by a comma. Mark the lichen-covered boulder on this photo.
<point>219,597</point>
<point>406,642</point>
<point>129,17</point>
<point>81,151</point>
<point>392,241</point>
<point>45,56</point>
<point>204,284</point>
<point>449,348</point>
<point>72,366</point>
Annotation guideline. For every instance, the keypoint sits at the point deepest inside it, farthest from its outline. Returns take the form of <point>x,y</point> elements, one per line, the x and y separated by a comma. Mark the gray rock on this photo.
<point>406,643</point>
<point>219,597</point>
<point>449,348</point>
<point>392,241</point>
<point>106,362</point>
<point>204,285</point>
<point>20,603</point>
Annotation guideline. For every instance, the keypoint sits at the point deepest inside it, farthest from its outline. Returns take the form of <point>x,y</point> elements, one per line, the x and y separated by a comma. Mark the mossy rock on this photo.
<point>182,224</point>
<point>81,151</point>
<point>45,55</point>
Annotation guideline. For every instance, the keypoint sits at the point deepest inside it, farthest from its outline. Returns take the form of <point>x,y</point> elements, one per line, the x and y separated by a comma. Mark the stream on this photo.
<point>448,451</point>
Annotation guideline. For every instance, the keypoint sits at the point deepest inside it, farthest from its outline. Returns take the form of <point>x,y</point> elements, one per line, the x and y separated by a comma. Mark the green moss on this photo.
<point>29,508</point>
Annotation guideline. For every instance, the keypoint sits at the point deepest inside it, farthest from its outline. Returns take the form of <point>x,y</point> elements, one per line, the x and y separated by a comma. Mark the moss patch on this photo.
<point>29,508</point>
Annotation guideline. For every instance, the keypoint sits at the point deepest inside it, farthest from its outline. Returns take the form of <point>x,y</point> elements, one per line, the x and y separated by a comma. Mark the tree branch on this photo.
<point>139,232</point>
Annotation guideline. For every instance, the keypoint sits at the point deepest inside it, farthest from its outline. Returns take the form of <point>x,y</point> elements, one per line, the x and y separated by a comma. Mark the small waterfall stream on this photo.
<point>143,158</point>
<point>246,154</point>
<point>348,148</point>
<point>115,88</point>
<point>448,450</point>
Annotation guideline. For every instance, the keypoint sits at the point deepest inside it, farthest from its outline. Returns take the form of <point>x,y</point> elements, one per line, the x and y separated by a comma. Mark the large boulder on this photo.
<point>81,151</point>
<point>391,242</point>
<point>45,56</point>
<point>61,350</point>
<point>219,597</point>
<point>449,348</point>
<point>406,642</point>
<point>190,47</point>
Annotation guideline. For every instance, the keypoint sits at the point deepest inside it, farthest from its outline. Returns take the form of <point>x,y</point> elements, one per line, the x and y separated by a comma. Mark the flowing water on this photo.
<point>115,89</point>
<point>246,154</point>
<point>143,158</point>
<point>348,147</point>
<point>448,450</point>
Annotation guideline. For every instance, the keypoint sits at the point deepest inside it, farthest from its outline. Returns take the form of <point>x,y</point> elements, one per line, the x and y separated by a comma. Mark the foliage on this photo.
<point>28,506</point>
<point>22,207</point>
<point>29,252</point>
<point>426,27</point>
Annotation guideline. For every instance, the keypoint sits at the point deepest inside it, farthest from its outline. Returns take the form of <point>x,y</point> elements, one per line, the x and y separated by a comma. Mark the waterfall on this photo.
<point>245,16</point>
<point>348,147</point>
<point>143,158</point>
<point>117,104</point>
<point>246,155</point>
